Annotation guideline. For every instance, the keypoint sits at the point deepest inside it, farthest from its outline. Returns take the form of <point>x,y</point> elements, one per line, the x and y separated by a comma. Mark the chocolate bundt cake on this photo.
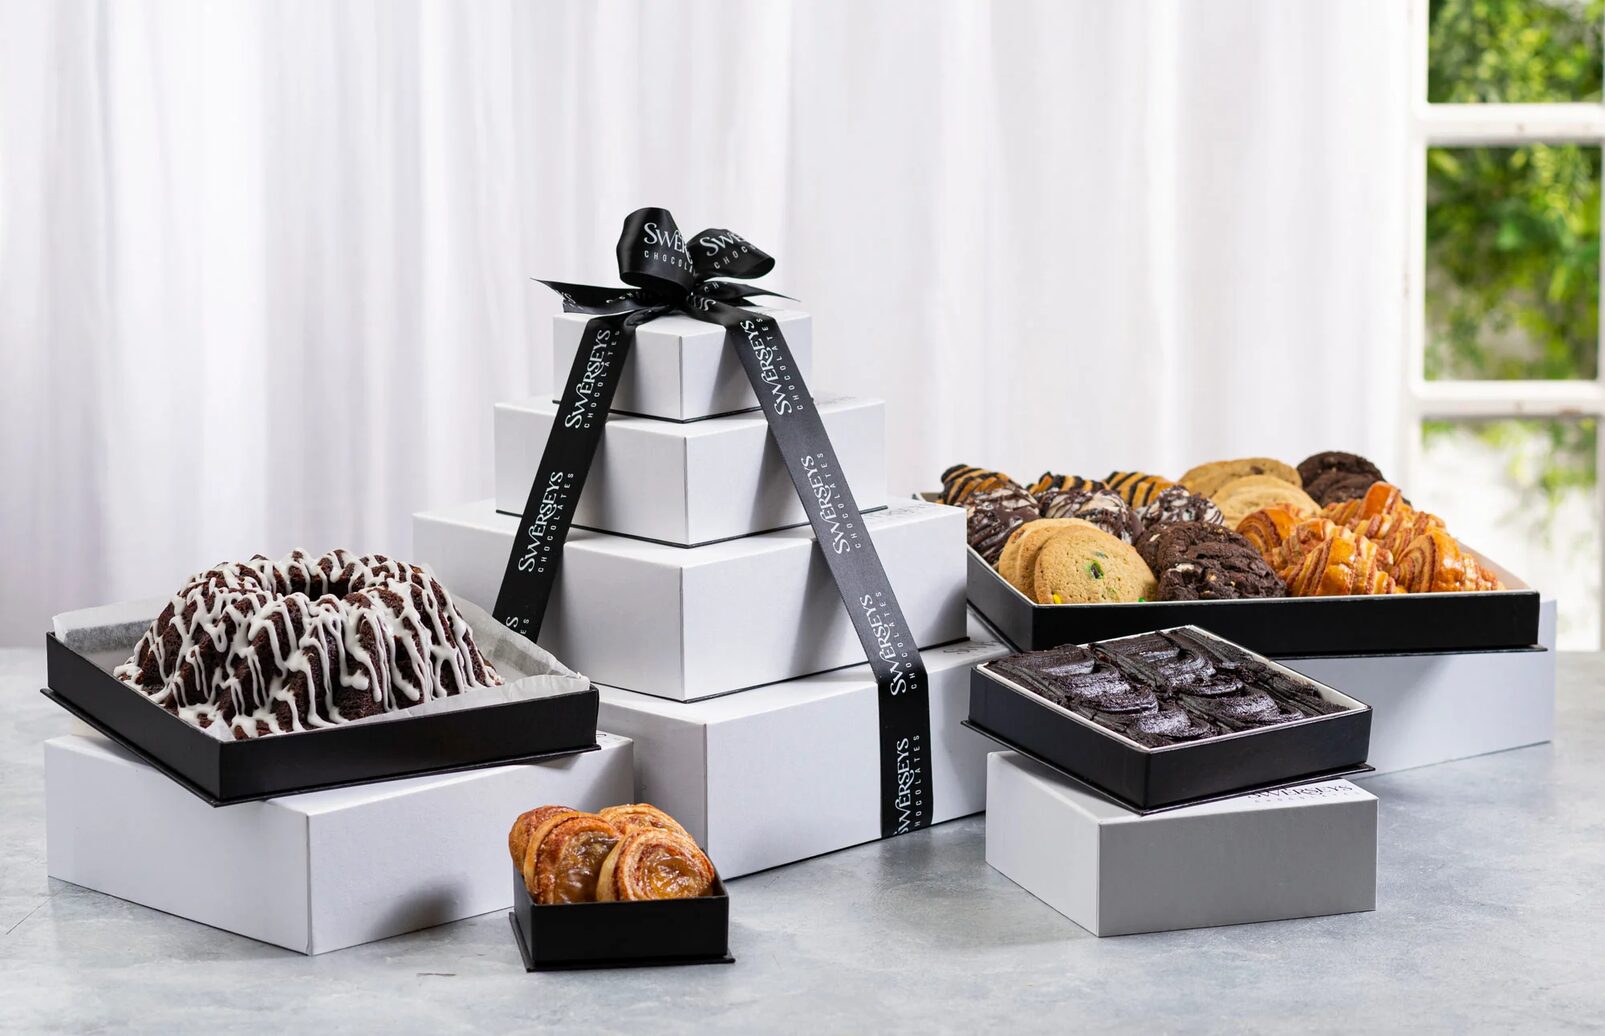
<point>267,647</point>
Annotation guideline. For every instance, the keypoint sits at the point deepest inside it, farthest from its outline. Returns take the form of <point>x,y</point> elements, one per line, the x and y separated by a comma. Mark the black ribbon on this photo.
<point>668,274</point>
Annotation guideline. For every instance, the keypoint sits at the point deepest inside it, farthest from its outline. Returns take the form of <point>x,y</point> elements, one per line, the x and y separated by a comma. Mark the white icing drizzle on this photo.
<point>268,647</point>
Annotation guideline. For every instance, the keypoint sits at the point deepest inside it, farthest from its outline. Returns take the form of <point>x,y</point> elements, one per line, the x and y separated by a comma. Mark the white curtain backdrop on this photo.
<point>264,268</point>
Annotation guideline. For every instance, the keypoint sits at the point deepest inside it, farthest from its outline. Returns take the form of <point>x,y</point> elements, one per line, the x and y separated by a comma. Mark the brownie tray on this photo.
<point>1150,779</point>
<point>1282,627</point>
<point>636,934</point>
<point>226,772</point>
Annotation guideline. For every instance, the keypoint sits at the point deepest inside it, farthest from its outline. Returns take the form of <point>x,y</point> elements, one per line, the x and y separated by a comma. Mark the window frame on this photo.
<point>1485,125</point>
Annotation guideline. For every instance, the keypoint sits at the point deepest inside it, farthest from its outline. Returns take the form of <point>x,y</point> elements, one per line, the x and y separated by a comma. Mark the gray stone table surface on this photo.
<point>1491,880</point>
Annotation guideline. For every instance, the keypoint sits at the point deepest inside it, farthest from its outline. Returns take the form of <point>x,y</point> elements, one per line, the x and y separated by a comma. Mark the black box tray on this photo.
<point>1280,627</point>
<point>1147,779</point>
<point>636,934</point>
<point>226,772</point>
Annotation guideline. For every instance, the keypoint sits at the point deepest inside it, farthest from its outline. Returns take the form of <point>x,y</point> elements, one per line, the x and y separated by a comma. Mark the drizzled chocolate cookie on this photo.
<point>1174,505</point>
<point>992,514</point>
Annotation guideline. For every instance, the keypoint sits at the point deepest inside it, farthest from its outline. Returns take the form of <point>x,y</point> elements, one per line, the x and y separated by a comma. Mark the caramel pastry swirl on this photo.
<point>650,863</point>
<point>565,863</point>
<point>532,827</point>
<point>636,815</point>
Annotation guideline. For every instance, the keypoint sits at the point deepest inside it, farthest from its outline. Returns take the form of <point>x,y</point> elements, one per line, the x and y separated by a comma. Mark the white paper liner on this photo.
<point>108,634</point>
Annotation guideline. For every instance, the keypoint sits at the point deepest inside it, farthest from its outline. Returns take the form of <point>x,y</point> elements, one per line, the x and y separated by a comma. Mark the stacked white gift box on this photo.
<point>693,593</point>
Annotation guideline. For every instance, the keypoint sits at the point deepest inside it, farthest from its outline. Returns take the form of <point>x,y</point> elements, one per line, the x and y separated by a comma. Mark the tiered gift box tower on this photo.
<point>692,592</point>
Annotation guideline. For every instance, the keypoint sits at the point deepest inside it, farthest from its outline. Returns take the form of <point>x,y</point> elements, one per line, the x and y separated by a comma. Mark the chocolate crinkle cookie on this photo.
<point>1333,487</point>
<point>1198,561</point>
<point>992,514</point>
<point>1316,464</point>
<point>1176,504</point>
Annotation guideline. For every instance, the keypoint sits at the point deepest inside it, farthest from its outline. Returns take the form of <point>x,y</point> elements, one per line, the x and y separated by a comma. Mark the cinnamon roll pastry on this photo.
<point>1434,563</point>
<point>1394,529</point>
<point>636,815</point>
<point>563,866</point>
<point>1343,564</point>
<point>651,863</point>
<point>532,826</point>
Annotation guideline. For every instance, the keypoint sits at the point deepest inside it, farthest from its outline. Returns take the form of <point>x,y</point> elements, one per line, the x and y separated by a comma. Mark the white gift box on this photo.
<point>1293,852</point>
<point>694,482</point>
<point>1431,708</point>
<point>781,773</point>
<point>313,872</point>
<point>689,623</point>
<point>679,367</point>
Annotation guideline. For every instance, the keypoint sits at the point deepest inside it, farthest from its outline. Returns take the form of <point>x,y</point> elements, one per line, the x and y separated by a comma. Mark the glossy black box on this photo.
<point>1147,779</point>
<point>1281,627</point>
<point>225,772</point>
<point>571,936</point>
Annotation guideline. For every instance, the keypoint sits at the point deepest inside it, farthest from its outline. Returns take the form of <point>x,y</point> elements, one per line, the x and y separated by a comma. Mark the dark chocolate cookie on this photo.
<point>1165,545</point>
<point>1333,486</point>
<point>1219,571</point>
<point>1336,460</point>
<point>994,513</point>
<point>1177,505</point>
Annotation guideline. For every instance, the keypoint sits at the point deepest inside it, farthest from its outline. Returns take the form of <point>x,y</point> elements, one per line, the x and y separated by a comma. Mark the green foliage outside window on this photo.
<point>1514,51</point>
<point>1513,234</point>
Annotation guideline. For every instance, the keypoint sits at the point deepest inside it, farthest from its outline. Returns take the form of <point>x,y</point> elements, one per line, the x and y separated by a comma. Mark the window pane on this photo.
<point>1522,492</point>
<point>1512,278</point>
<point>1514,51</point>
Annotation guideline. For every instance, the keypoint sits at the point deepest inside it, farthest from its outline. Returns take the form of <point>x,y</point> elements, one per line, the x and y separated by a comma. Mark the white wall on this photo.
<point>264,268</point>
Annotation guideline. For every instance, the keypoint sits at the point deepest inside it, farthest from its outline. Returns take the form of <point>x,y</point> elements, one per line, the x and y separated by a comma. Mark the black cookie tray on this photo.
<point>226,772</point>
<point>640,934</point>
<point>1280,627</point>
<point>1151,779</point>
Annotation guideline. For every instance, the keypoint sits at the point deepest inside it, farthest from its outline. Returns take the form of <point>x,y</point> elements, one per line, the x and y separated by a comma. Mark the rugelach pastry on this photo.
<point>1434,563</point>
<point>1343,563</point>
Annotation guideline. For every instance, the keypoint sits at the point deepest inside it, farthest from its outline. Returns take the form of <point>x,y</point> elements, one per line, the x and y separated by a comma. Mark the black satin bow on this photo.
<point>667,272</point>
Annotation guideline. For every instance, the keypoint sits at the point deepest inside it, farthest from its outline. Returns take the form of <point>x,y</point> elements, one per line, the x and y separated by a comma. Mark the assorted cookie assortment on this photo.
<point>629,852</point>
<point>1247,528</point>
<point>1166,688</point>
